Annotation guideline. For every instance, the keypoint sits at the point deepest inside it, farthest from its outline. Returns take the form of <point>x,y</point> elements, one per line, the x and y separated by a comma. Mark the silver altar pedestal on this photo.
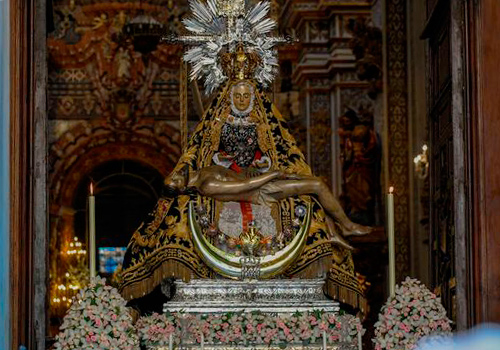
<point>276,297</point>
<point>269,296</point>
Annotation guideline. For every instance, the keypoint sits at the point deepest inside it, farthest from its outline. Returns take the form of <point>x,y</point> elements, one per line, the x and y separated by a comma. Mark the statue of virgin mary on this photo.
<point>241,137</point>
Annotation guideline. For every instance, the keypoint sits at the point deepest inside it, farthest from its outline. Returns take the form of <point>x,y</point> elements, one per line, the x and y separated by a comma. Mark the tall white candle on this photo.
<point>360,341</point>
<point>202,341</point>
<point>324,340</point>
<point>92,251</point>
<point>390,234</point>
<point>170,342</point>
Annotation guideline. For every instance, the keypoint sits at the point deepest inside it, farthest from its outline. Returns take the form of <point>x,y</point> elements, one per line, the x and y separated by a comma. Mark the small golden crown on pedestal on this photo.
<point>250,241</point>
<point>240,65</point>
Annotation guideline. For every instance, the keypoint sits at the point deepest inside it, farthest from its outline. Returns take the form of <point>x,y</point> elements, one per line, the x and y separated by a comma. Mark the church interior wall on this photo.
<point>87,121</point>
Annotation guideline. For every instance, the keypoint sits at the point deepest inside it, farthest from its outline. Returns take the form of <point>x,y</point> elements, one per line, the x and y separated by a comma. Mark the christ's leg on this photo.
<point>314,185</point>
<point>334,236</point>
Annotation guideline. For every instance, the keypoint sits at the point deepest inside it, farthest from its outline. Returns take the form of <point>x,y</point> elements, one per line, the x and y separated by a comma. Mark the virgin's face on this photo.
<point>242,96</point>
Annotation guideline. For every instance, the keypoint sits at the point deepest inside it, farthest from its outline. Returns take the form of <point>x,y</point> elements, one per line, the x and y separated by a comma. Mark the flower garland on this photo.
<point>155,330</point>
<point>97,319</point>
<point>413,313</point>
<point>248,328</point>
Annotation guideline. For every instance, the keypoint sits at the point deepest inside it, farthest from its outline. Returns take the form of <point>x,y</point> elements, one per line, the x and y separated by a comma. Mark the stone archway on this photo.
<point>88,144</point>
<point>62,210</point>
<point>86,147</point>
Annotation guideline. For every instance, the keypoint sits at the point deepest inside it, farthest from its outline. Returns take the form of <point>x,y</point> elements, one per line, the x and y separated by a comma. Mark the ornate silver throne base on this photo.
<point>269,296</point>
<point>279,296</point>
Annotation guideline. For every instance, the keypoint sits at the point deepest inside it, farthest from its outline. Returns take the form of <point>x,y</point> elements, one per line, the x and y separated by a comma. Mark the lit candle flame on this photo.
<point>91,189</point>
<point>391,189</point>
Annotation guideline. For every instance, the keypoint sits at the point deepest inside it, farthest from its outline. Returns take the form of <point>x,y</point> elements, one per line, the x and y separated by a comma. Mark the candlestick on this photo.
<point>324,340</point>
<point>92,251</point>
<point>360,341</point>
<point>390,234</point>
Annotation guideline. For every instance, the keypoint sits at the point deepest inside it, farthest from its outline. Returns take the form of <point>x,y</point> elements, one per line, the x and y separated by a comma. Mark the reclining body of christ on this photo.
<point>228,186</point>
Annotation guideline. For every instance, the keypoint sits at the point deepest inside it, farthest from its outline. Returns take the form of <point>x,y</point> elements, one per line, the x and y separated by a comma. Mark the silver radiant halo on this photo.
<point>218,26</point>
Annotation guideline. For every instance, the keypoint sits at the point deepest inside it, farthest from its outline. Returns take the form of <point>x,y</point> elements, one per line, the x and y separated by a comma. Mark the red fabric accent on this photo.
<point>258,155</point>
<point>246,211</point>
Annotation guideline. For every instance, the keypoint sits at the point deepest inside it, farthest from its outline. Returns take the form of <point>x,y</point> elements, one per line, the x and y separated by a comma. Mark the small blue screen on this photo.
<point>110,258</point>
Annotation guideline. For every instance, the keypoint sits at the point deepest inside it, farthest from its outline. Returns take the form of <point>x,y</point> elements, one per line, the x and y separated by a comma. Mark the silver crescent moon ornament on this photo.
<point>229,265</point>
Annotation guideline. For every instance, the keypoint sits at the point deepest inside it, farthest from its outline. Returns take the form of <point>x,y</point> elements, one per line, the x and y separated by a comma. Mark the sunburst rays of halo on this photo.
<point>217,32</point>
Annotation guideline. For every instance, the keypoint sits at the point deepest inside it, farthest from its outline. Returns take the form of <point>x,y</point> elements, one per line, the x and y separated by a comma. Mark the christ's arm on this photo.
<point>213,187</point>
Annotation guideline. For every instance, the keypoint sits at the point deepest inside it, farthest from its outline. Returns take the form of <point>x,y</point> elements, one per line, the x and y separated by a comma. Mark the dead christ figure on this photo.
<point>228,186</point>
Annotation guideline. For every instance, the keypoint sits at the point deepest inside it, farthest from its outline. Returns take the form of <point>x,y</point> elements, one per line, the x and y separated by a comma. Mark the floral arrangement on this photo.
<point>413,313</point>
<point>155,330</point>
<point>249,328</point>
<point>97,319</point>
